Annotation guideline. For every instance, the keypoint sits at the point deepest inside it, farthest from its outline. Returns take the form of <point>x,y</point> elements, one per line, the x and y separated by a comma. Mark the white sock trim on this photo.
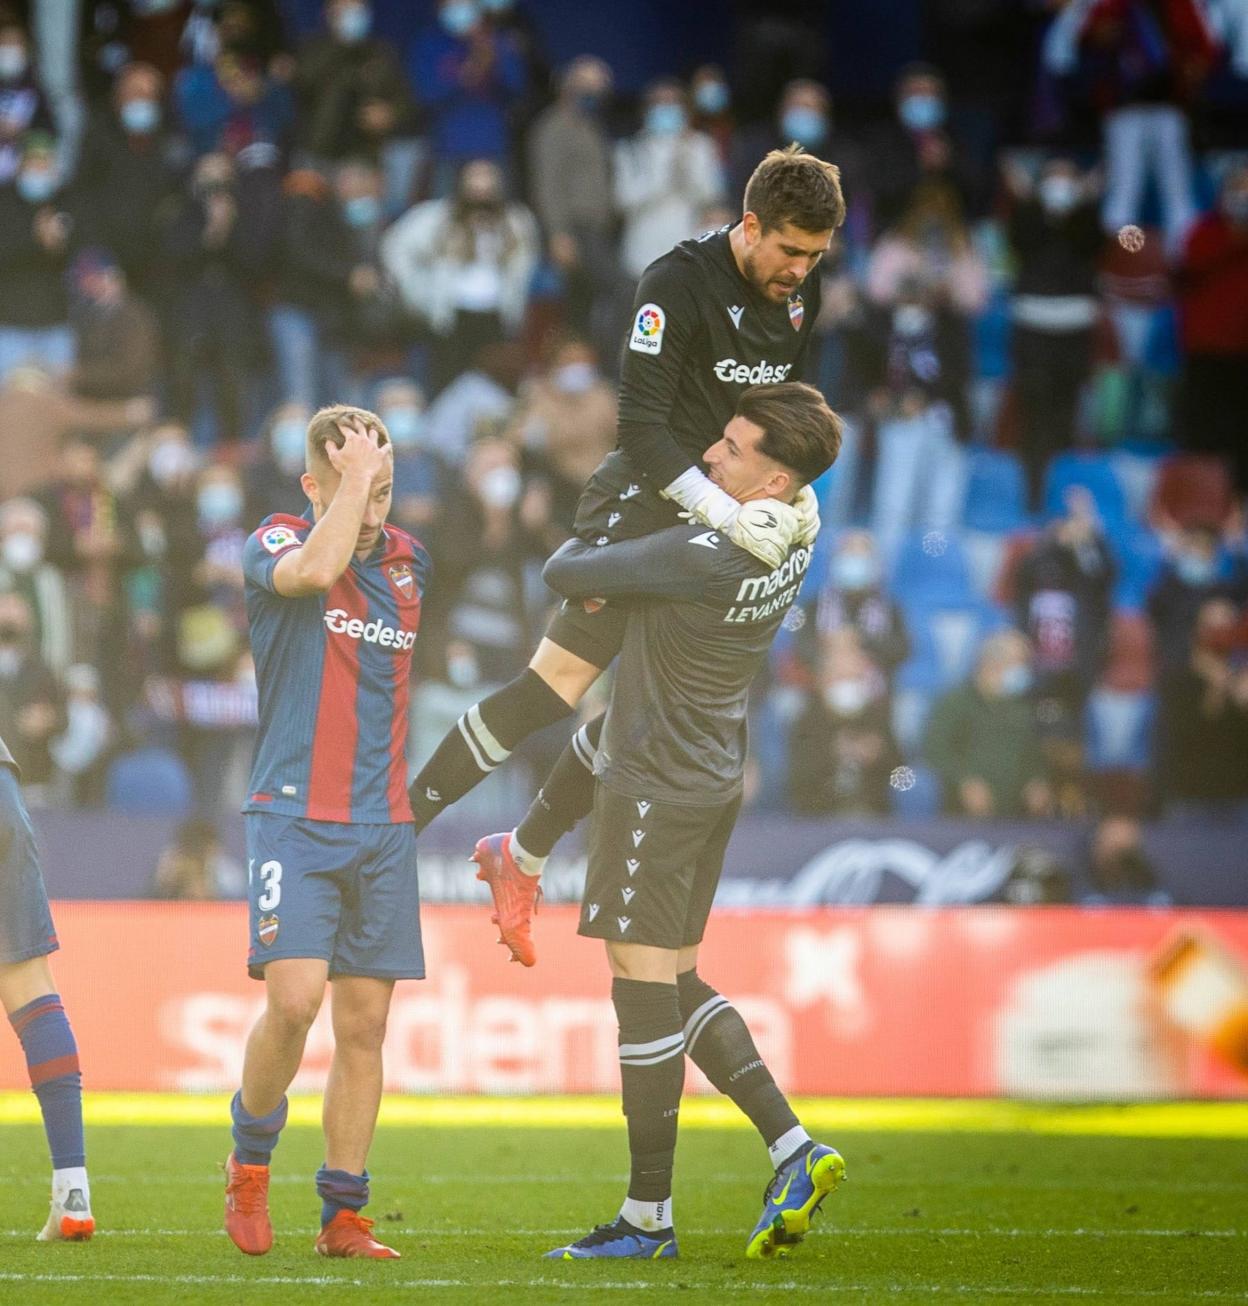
<point>650,1216</point>
<point>485,737</point>
<point>788,1143</point>
<point>528,862</point>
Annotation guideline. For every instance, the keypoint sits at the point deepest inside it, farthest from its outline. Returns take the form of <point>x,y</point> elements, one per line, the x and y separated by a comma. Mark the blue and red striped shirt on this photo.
<point>333,672</point>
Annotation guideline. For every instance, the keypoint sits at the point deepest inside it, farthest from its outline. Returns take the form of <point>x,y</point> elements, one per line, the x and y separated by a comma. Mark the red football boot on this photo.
<point>516,895</point>
<point>350,1234</point>
<point>247,1207</point>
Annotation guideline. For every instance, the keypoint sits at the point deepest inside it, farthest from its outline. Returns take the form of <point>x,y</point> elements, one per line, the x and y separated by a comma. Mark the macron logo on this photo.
<point>632,866</point>
<point>735,313</point>
<point>372,632</point>
<point>708,540</point>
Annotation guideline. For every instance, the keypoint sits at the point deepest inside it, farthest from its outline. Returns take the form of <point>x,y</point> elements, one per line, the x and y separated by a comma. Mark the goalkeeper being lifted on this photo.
<point>712,317</point>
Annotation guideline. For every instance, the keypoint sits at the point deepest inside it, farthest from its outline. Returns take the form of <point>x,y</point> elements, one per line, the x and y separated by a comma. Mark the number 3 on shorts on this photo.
<point>271,895</point>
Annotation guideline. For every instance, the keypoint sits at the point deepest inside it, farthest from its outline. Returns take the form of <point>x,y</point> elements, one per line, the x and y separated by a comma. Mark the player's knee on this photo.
<point>360,1031</point>
<point>294,1010</point>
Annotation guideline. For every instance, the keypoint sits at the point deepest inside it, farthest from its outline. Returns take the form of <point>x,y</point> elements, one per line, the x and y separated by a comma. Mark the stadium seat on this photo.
<point>911,708</point>
<point>1118,730</point>
<point>945,641</point>
<point>931,569</point>
<point>1137,473</point>
<point>1095,473</point>
<point>985,554</point>
<point>996,492</point>
<point>1130,665</point>
<point>149,782</point>
<point>1191,490</point>
<point>1139,554</point>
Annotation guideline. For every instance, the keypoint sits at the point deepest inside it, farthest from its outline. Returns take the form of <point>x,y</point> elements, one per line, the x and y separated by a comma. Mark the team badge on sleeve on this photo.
<point>277,538</point>
<point>648,328</point>
<point>403,579</point>
<point>797,311</point>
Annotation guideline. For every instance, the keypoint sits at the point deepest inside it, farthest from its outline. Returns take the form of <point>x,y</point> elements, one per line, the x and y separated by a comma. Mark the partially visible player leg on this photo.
<point>359,1005</point>
<point>294,987</point>
<point>484,737</point>
<point>719,1043</point>
<point>511,864</point>
<point>28,994</point>
<point>652,1076</point>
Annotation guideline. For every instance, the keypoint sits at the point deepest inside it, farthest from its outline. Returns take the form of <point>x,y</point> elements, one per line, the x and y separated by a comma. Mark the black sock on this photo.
<point>567,796</point>
<point>481,741</point>
<point>652,1071</point>
<point>719,1043</point>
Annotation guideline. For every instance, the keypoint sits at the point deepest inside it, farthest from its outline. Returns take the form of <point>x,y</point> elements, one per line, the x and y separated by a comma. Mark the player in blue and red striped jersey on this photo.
<point>334,606</point>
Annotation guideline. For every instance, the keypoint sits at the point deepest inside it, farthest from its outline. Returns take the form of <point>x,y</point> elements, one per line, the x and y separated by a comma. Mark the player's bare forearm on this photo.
<point>660,566</point>
<point>327,551</point>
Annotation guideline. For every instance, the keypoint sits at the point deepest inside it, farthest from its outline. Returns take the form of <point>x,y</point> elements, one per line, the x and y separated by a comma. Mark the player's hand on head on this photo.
<point>766,528</point>
<point>361,452</point>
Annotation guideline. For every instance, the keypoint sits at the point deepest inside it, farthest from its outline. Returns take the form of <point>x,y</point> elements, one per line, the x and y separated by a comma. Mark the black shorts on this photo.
<point>653,869</point>
<point>616,504</point>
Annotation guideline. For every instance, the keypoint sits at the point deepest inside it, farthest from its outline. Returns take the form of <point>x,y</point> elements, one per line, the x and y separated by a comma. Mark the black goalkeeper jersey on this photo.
<point>701,334</point>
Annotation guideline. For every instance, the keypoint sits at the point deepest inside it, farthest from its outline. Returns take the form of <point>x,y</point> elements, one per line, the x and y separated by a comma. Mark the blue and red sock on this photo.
<point>55,1076</point>
<point>255,1137</point>
<point>340,1190</point>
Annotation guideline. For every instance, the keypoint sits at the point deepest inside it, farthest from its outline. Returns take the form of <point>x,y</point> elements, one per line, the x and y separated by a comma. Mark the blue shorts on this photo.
<point>347,894</point>
<point>25,922</point>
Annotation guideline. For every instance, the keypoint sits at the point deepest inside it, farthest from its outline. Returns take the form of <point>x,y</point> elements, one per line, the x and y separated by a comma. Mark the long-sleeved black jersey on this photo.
<point>703,614</point>
<point>699,335</point>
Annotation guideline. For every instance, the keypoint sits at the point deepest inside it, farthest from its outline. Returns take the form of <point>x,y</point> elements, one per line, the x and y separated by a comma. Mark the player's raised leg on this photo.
<point>34,1008</point>
<point>352,1097</point>
<point>719,1043</point>
<point>294,987</point>
<point>652,1077</point>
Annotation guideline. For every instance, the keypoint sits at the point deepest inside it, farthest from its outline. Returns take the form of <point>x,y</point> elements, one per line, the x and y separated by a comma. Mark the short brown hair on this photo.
<point>323,429</point>
<point>800,431</point>
<point>791,186</point>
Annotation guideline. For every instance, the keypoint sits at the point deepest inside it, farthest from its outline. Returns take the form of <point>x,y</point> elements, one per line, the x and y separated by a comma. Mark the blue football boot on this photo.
<point>792,1197</point>
<point>619,1239</point>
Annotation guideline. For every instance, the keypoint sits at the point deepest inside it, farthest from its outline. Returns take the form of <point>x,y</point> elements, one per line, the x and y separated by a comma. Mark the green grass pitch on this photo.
<point>1018,1210</point>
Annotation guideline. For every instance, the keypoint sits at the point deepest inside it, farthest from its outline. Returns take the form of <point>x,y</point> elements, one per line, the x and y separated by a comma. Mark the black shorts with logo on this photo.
<point>653,869</point>
<point>616,504</point>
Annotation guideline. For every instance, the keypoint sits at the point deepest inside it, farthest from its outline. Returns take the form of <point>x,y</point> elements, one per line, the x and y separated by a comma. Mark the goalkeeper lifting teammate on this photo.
<point>732,309</point>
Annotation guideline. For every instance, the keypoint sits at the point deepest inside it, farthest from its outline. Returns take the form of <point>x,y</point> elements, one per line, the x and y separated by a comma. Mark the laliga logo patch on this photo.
<point>402,578</point>
<point>267,930</point>
<point>647,337</point>
<point>797,311</point>
<point>277,538</point>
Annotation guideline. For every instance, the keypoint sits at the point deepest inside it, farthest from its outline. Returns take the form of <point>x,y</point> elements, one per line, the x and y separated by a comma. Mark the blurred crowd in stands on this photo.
<point>1029,598</point>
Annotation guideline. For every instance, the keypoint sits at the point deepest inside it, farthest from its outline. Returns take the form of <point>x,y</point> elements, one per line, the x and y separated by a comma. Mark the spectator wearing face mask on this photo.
<point>1054,232</point>
<point>841,748</point>
<point>565,422</point>
<point>354,100</point>
<point>916,152</point>
<point>570,161</point>
<point>982,740</point>
<point>1198,570</point>
<point>423,481</point>
<point>32,703</point>
<point>1202,729</point>
<point>236,107</point>
<point>117,338</point>
<point>488,547</point>
<point>1213,311</point>
<point>803,116</point>
<point>25,570</point>
<point>35,248</point>
<point>23,106</point>
<point>853,599</point>
<point>478,400</point>
<point>272,477</point>
<point>464,266</point>
<point>470,74</point>
<point>129,167</point>
<point>710,110</point>
<point>665,177</point>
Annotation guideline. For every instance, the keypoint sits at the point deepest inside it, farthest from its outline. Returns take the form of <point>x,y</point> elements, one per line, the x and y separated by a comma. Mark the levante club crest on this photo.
<point>402,578</point>
<point>267,930</point>
<point>797,311</point>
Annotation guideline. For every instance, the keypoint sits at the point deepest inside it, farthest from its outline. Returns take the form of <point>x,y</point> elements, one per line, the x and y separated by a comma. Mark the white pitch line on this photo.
<point>828,1230</point>
<point>572,1284</point>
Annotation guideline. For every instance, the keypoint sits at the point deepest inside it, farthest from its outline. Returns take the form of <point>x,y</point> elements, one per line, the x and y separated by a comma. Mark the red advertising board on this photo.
<point>872,1001</point>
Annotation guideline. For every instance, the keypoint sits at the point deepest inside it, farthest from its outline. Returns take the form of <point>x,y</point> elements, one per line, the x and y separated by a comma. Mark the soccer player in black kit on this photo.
<point>669,776</point>
<point>732,309</point>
